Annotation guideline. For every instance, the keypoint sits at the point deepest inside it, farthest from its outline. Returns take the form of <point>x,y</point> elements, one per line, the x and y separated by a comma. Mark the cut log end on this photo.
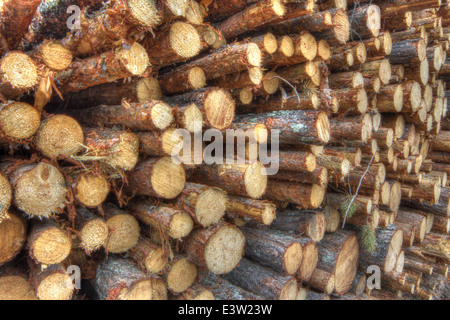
<point>309,261</point>
<point>135,59</point>
<point>19,70</point>
<point>124,154</point>
<point>324,49</point>
<point>145,12</point>
<point>41,191</point>
<point>255,75</point>
<point>307,46</point>
<point>19,120</point>
<point>56,286</point>
<point>317,196</point>
<point>270,43</point>
<point>181,276</point>
<point>147,289</point>
<point>192,119</point>
<point>124,233</point>
<point>14,287</point>
<point>341,27</point>
<point>196,78</point>
<point>211,206</point>
<point>55,56</point>
<point>5,197</point>
<point>60,135</point>
<point>289,291</point>
<point>393,251</point>
<point>91,190</point>
<point>292,258</point>
<point>224,249</point>
<point>185,40</point>
<point>346,265</point>
<point>385,71</point>
<point>323,127</point>
<point>165,170</point>
<point>94,235</point>
<point>270,82</point>
<point>148,89</point>
<point>286,46</point>
<point>255,179</point>
<point>180,225</point>
<point>317,227</point>
<point>161,115</point>
<point>253,55</point>
<point>219,108</point>
<point>51,246</point>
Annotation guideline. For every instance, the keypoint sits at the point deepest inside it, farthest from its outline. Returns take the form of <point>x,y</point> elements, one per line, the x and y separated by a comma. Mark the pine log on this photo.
<point>180,274</point>
<point>366,21</point>
<point>305,195</point>
<point>322,281</point>
<point>197,292</point>
<point>13,237</point>
<point>225,290</point>
<point>311,224</point>
<point>15,285</point>
<point>106,67</point>
<point>51,282</point>
<point>92,230</point>
<point>90,189</point>
<point>19,74</point>
<point>317,177</point>
<point>218,248</point>
<point>262,281</point>
<point>260,211</point>
<point>48,243</point>
<point>150,256</point>
<point>408,51</point>
<point>168,220</point>
<point>121,279</point>
<point>123,228</point>
<point>18,121</point>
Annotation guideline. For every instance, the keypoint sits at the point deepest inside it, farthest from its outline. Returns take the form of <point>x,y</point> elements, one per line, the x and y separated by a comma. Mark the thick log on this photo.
<point>123,228</point>
<point>90,189</point>
<point>150,256</point>
<point>19,74</point>
<point>180,274</point>
<point>12,237</point>
<point>338,255</point>
<point>365,21</point>
<point>253,277</point>
<point>322,281</point>
<point>408,51</point>
<point>106,67</point>
<point>274,249</point>
<point>121,279</point>
<point>205,247</point>
<point>51,282</point>
<point>168,220</point>
<point>92,230</point>
<point>48,243</point>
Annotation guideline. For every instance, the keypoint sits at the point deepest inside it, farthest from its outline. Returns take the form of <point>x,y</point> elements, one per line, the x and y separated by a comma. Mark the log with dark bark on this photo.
<point>309,223</point>
<point>262,281</point>
<point>274,249</point>
<point>121,279</point>
<point>306,195</point>
<point>225,290</point>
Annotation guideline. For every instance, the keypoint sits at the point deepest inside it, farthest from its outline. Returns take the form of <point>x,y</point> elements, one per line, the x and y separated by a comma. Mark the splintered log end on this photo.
<point>148,89</point>
<point>161,115</point>
<point>341,26</point>
<point>124,154</point>
<point>55,56</point>
<point>145,11</point>
<point>19,70</point>
<point>40,191</point>
<point>59,135</point>
<point>51,245</point>
<point>124,233</point>
<point>168,179</point>
<point>12,238</point>
<point>255,180</point>
<point>19,120</point>
<point>5,198</point>
<point>94,235</point>
<point>286,46</point>
<point>181,275</point>
<point>219,107</point>
<point>16,287</point>
<point>91,190</point>
<point>185,40</point>
<point>135,59</point>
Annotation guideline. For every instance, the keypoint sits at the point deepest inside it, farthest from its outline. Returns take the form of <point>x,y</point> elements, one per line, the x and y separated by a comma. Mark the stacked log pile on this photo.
<point>350,96</point>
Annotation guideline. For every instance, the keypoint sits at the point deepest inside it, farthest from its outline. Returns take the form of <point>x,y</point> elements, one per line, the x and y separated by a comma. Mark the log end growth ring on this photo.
<point>185,40</point>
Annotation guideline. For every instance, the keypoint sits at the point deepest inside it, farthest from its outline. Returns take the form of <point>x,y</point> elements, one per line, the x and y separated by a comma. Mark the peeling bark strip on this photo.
<point>16,17</point>
<point>121,279</point>
<point>254,16</point>
<point>109,25</point>
<point>263,281</point>
<point>106,67</point>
